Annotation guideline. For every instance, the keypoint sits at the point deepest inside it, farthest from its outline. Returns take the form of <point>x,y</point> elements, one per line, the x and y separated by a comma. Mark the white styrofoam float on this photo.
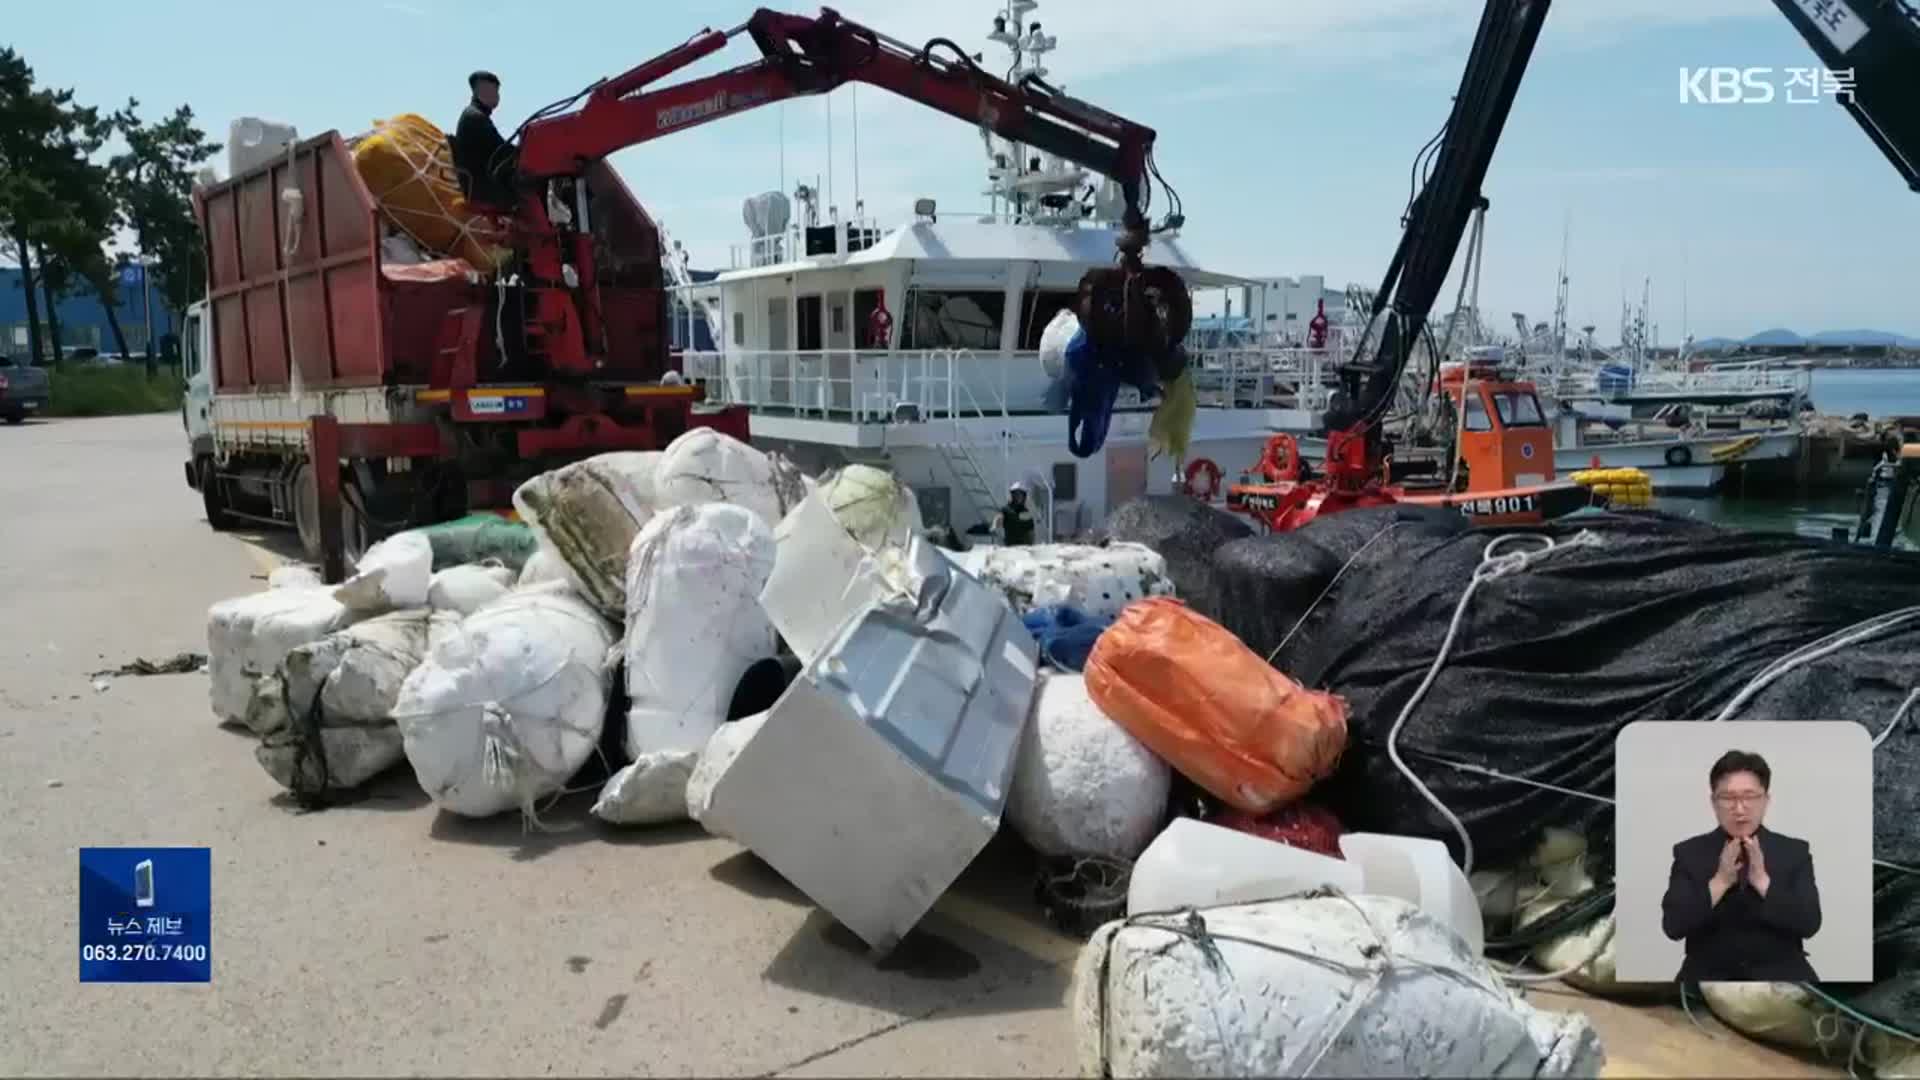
<point>1083,786</point>
<point>1099,580</point>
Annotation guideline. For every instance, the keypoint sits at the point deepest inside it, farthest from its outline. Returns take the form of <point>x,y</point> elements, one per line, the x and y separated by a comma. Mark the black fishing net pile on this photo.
<point>1668,619</point>
<point>1186,533</point>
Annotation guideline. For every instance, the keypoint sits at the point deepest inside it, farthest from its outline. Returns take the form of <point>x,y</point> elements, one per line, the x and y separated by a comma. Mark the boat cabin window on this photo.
<point>954,320</point>
<point>740,328</point>
<point>1518,409</point>
<point>1477,419</point>
<point>1038,309</point>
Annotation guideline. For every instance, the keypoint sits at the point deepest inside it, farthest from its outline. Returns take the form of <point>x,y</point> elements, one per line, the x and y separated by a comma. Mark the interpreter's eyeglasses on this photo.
<point>1741,799</point>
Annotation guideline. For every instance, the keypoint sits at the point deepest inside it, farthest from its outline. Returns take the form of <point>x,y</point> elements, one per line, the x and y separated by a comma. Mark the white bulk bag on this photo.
<point>543,566</point>
<point>392,576</point>
<point>873,505</point>
<point>356,675</point>
<point>294,577</point>
<point>248,636</point>
<point>1054,341</point>
<point>1082,785</point>
<point>694,627</point>
<point>509,706</point>
<point>1321,984</point>
<point>708,466</point>
<point>1098,580</point>
<point>1784,1014</point>
<point>587,514</point>
<point>464,590</point>
<point>720,751</point>
<point>1558,875</point>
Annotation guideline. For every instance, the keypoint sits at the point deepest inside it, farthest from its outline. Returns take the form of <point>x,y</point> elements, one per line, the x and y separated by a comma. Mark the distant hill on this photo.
<point>1780,337</point>
<point>1864,337</point>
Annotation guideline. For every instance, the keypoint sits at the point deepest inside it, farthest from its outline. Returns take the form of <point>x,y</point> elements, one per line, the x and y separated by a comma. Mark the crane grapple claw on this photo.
<point>1144,310</point>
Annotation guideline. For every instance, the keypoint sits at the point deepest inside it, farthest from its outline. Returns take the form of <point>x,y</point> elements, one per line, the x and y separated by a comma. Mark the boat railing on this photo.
<point>872,385</point>
<point>856,234</point>
<point>1597,384</point>
<point>963,404</point>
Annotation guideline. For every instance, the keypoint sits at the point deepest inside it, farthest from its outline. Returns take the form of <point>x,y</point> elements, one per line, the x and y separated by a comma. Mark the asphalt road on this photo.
<point>389,938</point>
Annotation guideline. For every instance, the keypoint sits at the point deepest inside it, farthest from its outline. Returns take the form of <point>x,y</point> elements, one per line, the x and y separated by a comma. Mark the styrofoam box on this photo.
<point>884,769</point>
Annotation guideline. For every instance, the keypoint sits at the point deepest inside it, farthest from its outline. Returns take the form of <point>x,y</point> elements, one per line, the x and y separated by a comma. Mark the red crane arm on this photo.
<point>803,55</point>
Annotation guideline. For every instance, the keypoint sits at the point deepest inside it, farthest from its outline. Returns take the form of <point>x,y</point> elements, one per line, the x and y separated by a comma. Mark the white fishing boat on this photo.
<point>916,346</point>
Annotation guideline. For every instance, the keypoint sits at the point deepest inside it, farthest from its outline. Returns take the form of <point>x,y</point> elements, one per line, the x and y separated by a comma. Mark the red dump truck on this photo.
<point>351,392</point>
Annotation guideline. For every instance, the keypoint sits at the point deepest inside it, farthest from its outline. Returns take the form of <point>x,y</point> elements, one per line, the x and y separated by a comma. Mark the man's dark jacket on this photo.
<point>486,171</point>
<point>1746,936</point>
<point>1016,521</point>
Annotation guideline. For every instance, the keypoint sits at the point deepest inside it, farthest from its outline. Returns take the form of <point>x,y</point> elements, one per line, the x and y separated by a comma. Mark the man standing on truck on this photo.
<point>482,158</point>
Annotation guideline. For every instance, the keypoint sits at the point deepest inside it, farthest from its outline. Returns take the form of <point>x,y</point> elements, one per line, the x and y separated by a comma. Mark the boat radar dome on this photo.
<point>767,214</point>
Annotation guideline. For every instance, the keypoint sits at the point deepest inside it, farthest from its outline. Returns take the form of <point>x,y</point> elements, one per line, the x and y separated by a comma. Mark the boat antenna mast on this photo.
<point>1025,43</point>
<point>1560,298</point>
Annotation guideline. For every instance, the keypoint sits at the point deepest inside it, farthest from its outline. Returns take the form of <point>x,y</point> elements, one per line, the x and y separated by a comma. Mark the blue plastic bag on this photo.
<point>1091,384</point>
<point>1065,634</point>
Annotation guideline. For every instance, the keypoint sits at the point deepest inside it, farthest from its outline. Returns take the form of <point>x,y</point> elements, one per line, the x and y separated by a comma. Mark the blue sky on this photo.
<point>1288,126</point>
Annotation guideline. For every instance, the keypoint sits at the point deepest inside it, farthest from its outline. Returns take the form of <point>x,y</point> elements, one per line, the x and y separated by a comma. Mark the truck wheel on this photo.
<point>16,418</point>
<point>306,511</point>
<point>213,499</point>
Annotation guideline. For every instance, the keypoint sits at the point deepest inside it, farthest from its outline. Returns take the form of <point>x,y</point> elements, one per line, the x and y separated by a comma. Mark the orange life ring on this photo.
<point>1203,467</point>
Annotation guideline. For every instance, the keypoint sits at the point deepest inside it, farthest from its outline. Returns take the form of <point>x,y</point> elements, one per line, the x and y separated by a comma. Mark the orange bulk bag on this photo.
<point>1212,708</point>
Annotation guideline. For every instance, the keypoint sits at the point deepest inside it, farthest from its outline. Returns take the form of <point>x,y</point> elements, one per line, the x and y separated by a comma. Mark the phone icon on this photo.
<point>143,883</point>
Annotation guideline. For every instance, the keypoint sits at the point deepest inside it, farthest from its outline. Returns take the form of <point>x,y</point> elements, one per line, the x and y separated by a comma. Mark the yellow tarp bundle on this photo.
<point>408,166</point>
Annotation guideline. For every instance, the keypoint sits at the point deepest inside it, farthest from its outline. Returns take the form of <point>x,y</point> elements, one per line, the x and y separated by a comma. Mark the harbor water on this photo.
<point>1813,515</point>
<point>1843,392</point>
<point>1880,393</point>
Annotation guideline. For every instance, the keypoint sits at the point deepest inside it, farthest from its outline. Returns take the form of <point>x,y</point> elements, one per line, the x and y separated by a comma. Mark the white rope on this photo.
<point>1493,565</point>
<point>1826,646</point>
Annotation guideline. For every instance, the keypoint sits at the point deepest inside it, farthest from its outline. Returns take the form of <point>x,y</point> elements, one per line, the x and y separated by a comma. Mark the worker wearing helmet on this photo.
<point>481,158</point>
<point>1014,523</point>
